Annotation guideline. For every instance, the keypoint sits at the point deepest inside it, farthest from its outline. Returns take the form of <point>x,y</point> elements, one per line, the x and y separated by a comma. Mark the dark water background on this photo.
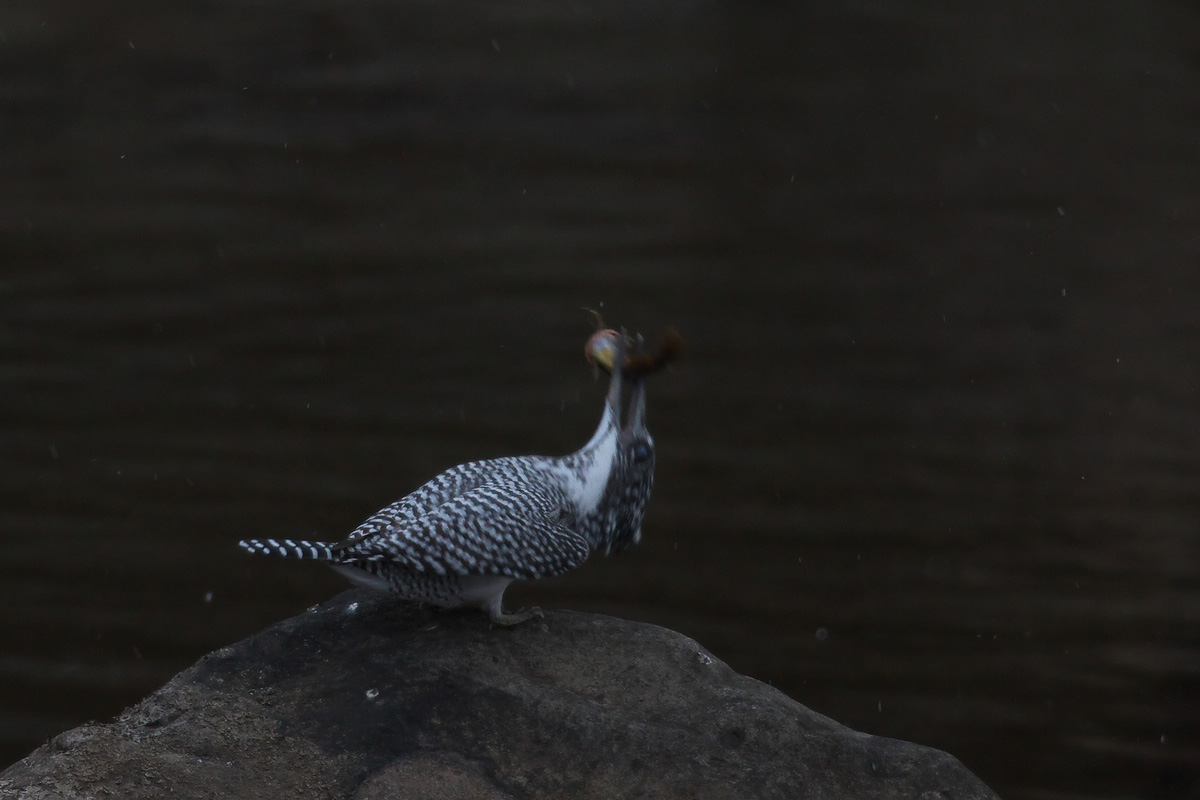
<point>930,465</point>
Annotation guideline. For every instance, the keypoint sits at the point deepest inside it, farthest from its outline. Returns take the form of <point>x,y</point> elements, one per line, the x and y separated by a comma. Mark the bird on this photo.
<point>461,538</point>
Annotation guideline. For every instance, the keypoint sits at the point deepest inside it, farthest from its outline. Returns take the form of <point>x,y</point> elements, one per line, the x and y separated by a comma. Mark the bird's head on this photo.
<point>628,490</point>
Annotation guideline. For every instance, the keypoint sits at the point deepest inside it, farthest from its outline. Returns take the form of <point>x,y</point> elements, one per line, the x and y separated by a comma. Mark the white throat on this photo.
<point>597,459</point>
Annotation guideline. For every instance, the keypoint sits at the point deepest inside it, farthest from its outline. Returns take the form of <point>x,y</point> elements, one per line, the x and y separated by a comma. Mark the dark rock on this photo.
<point>363,697</point>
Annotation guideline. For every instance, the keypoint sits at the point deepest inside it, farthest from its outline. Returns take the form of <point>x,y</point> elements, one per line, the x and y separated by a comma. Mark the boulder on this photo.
<point>364,697</point>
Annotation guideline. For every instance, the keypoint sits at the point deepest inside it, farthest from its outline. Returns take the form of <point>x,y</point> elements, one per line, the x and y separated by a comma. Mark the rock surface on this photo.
<point>366,698</point>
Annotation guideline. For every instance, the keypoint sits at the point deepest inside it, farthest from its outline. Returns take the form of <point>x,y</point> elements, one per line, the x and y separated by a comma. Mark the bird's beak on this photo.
<point>635,411</point>
<point>617,380</point>
<point>637,406</point>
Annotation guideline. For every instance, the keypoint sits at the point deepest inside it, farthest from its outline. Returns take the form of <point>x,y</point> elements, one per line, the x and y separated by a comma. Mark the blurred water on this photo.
<point>929,465</point>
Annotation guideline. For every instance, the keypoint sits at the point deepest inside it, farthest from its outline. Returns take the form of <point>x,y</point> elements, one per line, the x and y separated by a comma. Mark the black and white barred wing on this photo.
<point>437,492</point>
<point>498,528</point>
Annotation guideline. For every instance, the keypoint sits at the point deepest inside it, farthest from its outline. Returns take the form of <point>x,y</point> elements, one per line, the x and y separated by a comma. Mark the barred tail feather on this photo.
<point>289,548</point>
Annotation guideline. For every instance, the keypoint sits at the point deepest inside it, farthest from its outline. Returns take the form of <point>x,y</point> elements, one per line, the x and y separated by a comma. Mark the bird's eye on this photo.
<point>641,452</point>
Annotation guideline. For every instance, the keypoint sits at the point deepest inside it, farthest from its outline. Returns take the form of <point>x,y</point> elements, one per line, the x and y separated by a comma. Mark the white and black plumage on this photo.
<point>460,539</point>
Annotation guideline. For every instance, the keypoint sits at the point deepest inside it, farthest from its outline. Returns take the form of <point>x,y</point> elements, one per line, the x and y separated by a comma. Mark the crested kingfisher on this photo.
<point>464,536</point>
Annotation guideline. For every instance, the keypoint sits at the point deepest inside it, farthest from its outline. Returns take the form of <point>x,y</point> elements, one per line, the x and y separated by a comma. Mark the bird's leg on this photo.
<point>496,613</point>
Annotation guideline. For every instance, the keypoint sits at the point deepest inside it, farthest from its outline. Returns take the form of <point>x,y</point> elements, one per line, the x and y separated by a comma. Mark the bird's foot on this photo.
<point>517,617</point>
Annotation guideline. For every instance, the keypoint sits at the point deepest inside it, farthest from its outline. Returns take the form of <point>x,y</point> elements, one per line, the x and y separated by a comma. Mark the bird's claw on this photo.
<point>517,617</point>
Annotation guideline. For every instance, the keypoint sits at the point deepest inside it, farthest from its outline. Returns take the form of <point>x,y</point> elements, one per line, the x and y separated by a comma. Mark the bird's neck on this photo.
<point>587,470</point>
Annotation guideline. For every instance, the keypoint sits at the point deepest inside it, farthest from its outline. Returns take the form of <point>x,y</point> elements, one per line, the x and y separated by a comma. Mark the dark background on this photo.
<point>929,465</point>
